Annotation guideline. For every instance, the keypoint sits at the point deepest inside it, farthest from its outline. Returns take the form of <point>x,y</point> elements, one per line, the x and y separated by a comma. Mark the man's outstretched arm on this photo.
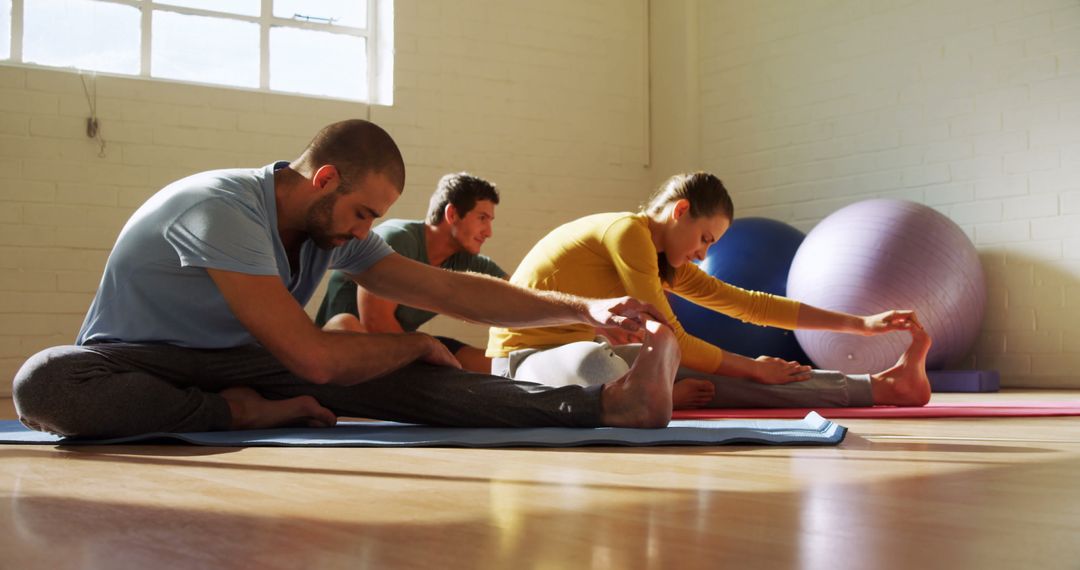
<point>492,301</point>
<point>377,314</point>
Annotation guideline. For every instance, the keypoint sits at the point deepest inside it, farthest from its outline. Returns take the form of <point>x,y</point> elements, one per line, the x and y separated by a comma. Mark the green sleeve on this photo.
<point>403,241</point>
<point>487,266</point>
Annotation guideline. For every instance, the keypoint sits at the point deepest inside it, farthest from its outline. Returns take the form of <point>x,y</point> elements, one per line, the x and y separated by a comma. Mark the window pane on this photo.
<point>339,12</point>
<point>205,49</point>
<point>5,29</point>
<point>241,7</point>
<point>83,34</point>
<point>318,63</point>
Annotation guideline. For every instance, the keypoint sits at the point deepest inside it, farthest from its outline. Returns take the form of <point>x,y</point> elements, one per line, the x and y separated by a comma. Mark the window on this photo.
<point>5,29</point>
<point>332,48</point>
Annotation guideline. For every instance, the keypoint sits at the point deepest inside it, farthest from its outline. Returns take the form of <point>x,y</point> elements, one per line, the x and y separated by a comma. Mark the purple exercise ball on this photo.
<point>881,254</point>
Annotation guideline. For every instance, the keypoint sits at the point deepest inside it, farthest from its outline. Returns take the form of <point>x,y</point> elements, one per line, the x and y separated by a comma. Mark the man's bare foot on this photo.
<point>690,393</point>
<point>642,397</point>
<point>905,384</point>
<point>252,411</point>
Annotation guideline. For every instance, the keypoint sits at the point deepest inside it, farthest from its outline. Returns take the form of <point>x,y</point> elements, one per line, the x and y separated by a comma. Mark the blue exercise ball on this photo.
<point>754,254</point>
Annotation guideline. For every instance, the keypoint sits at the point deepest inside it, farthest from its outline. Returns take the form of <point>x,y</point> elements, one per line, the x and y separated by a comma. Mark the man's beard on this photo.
<point>319,222</point>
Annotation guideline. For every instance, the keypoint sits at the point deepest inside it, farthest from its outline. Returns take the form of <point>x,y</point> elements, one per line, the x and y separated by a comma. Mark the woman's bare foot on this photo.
<point>905,384</point>
<point>252,411</point>
<point>691,393</point>
<point>642,397</point>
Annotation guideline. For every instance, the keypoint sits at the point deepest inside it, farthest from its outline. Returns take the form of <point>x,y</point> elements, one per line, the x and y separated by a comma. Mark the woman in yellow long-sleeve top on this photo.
<point>646,253</point>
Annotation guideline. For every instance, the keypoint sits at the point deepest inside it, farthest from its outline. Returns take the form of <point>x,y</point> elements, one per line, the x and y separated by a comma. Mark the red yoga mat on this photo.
<point>1015,409</point>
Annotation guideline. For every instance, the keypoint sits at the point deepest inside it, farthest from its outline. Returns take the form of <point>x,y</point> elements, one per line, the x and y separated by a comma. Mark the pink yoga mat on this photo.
<point>931,410</point>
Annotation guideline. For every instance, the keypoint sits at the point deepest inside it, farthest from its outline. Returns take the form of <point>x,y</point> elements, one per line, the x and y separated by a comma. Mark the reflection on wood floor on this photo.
<point>958,493</point>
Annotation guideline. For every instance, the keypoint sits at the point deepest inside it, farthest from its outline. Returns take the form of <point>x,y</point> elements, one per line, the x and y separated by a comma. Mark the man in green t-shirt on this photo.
<point>459,220</point>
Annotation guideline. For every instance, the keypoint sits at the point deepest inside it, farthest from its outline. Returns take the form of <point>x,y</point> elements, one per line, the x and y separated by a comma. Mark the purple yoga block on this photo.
<point>964,380</point>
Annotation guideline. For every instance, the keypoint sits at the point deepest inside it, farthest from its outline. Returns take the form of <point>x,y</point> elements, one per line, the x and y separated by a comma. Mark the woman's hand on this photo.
<point>773,370</point>
<point>889,321</point>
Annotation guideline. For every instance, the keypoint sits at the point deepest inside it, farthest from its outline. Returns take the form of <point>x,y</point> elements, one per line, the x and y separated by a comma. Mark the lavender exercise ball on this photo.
<point>877,255</point>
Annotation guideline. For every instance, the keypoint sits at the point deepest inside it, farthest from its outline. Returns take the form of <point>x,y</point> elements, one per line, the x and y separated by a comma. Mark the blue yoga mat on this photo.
<point>811,430</point>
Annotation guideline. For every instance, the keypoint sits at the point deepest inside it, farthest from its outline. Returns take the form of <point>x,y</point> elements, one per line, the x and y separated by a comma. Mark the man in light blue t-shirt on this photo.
<point>459,220</point>
<point>198,323</point>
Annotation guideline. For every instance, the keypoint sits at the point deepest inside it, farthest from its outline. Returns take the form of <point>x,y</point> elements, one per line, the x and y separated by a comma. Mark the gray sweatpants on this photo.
<point>590,363</point>
<point>114,390</point>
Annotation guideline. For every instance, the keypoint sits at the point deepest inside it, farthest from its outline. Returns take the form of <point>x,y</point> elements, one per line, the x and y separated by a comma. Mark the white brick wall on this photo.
<point>970,106</point>
<point>544,98</point>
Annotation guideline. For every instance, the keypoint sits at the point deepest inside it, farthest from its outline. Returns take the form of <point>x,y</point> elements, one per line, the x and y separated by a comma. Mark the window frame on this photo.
<point>379,65</point>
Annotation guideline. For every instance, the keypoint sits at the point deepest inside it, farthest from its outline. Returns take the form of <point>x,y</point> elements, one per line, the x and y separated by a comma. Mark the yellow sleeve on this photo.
<point>633,255</point>
<point>755,307</point>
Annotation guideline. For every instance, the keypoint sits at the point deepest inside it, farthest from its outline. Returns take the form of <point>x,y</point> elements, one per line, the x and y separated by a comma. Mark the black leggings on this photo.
<point>120,389</point>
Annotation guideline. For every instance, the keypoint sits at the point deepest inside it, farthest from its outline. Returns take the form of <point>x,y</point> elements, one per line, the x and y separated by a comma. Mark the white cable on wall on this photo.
<point>93,127</point>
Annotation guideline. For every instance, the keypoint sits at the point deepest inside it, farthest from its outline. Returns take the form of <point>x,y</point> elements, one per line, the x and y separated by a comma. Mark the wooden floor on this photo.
<point>956,493</point>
